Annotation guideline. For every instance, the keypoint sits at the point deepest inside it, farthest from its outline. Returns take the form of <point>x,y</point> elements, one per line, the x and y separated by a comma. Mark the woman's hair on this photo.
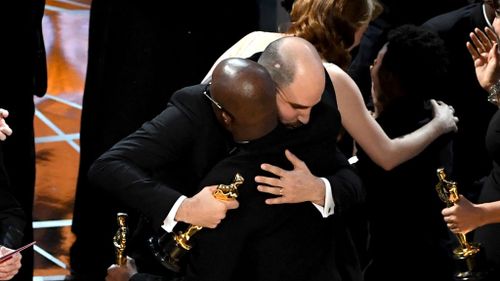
<point>495,4</point>
<point>330,25</point>
<point>414,66</point>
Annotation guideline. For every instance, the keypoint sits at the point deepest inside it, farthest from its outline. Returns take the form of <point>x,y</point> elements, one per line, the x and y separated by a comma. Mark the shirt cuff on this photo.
<point>169,222</point>
<point>329,206</point>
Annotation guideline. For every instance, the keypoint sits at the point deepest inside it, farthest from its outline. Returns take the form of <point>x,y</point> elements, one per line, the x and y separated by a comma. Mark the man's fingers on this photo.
<point>269,189</point>
<point>268,181</point>
<point>277,200</point>
<point>273,169</point>
<point>296,162</point>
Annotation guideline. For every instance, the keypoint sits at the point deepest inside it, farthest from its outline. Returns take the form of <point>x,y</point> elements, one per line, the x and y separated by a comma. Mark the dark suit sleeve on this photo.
<point>347,187</point>
<point>127,169</point>
<point>12,219</point>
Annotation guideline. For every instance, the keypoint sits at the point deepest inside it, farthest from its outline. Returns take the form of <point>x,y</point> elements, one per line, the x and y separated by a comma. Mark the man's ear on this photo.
<point>226,118</point>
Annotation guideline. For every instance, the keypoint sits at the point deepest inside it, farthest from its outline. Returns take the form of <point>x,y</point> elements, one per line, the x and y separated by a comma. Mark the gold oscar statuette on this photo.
<point>170,251</point>
<point>466,255</point>
<point>120,239</point>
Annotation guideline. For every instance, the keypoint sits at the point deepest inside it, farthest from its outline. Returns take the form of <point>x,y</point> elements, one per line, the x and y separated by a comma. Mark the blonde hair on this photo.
<point>330,25</point>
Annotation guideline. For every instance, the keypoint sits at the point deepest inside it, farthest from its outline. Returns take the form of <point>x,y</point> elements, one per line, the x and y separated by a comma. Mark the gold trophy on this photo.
<point>120,239</point>
<point>466,254</point>
<point>170,251</point>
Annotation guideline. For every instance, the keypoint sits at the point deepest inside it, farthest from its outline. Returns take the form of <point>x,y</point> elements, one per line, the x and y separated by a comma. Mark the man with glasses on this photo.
<point>278,226</point>
<point>157,169</point>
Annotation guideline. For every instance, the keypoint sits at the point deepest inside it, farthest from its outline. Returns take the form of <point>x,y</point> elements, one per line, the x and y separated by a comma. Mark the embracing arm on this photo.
<point>125,170</point>
<point>346,185</point>
<point>300,185</point>
<point>357,120</point>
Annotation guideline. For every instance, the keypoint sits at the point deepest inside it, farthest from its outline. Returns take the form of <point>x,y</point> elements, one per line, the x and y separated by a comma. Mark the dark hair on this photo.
<point>415,65</point>
<point>287,5</point>
<point>495,4</point>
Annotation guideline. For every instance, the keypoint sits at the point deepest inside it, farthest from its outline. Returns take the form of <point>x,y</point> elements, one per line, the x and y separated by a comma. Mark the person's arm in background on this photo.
<point>385,152</point>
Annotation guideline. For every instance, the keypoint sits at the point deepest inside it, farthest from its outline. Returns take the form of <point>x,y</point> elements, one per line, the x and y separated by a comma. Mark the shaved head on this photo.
<point>297,69</point>
<point>247,95</point>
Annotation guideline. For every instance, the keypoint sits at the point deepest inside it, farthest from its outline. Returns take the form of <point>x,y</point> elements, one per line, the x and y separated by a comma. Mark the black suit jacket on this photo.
<point>197,142</point>
<point>275,242</point>
<point>288,241</point>
<point>466,96</point>
<point>166,157</point>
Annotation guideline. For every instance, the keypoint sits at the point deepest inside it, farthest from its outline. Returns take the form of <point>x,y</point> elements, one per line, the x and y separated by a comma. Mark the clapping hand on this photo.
<point>484,52</point>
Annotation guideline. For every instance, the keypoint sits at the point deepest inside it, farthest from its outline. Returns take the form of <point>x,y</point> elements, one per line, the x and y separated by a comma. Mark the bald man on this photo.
<point>314,142</point>
<point>157,169</point>
<point>266,242</point>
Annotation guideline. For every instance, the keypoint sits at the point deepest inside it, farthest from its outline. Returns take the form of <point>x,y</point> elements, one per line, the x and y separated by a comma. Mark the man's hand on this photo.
<point>5,130</point>
<point>295,186</point>
<point>203,209</point>
<point>123,272</point>
<point>10,267</point>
